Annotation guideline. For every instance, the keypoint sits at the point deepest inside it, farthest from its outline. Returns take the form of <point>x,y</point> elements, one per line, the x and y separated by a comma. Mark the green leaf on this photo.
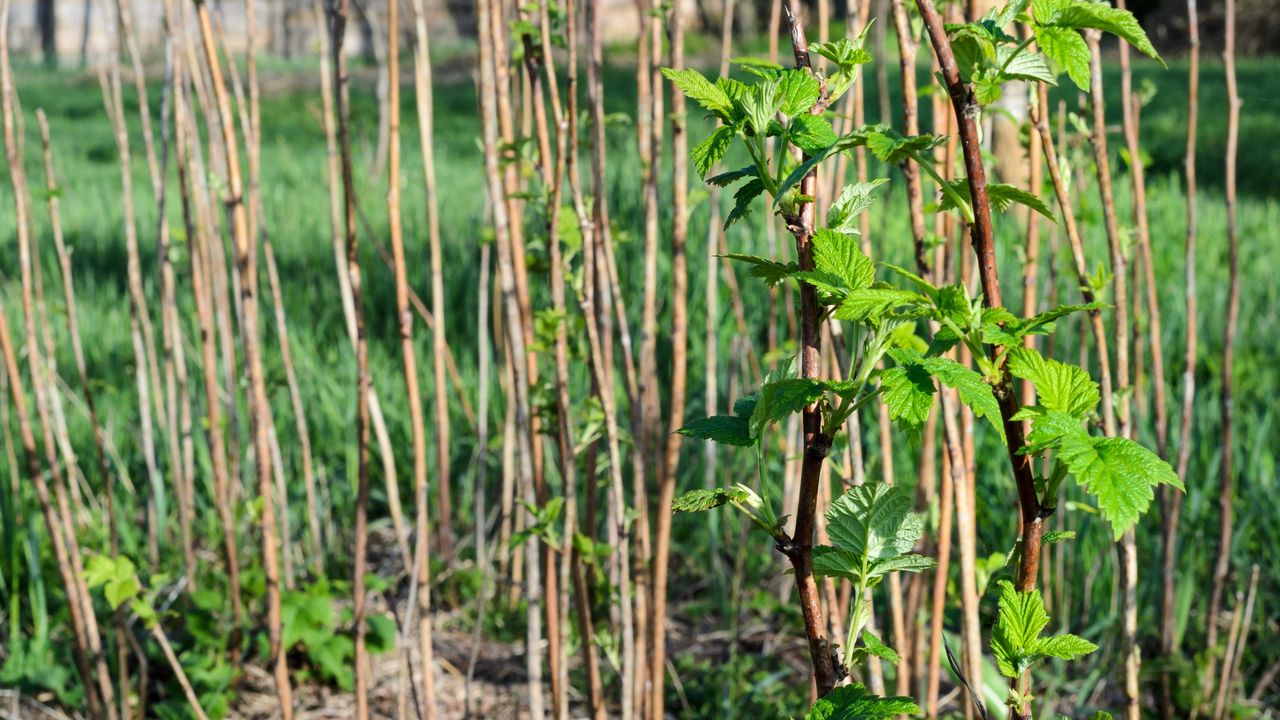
<point>847,54</point>
<point>833,562</point>
<point>986,90</point>
<point>742,199</point>
<point>1056,536</point>
<point>903,563</point>
<point>770,271</point>
<point>1066,647</point>
<point>874,646</point>
<point>723,429</point>
<point>784,397</point>
<point>380,632</point>
<point>1007,14</point>
<point>728,178</point>
<point>1101,16</point>
<point>798,91</point>
<point>759,103</point>
<point>703,499</point>
<point>907,392</point>
<point>873,302</point>
<point>145,612</point>
<point>1120,473</point>
<point>810,133</point>
<point>838,254</point>
<point>99,570</point>
<point>857,138</point>
<point>708,152</point>
<point>853,702</point>
<point>855,199</point>
<point>698,89</point>
<point>892,148</point>
<point>971,389</point>
<point>1002,196</point>
<point>1059,386</point>
<point>1065,47</point>
<point>118,590</point>
<point>874,520</point>
<point>1018,625</point>
<point>1014,329</point>
<point>1025,66</point>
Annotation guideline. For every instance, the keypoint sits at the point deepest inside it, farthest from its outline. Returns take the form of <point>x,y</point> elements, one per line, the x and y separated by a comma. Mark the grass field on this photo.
<point>293,161</point>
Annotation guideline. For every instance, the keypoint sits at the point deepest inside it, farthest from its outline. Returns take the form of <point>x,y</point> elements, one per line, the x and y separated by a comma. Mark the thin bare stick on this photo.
<point>1119,271</point>
<point>1171,506</point>
<point>679,372</point>
<point>596,301</point>
<point>426,135</point>
<point>489,91</point>
<point>1226,468</point>
<point>61,533</point>
<point>175,665</point>
<point>337,15</point>
<point>567,149</point>
<point>246,265</point>
<point>197,232</point>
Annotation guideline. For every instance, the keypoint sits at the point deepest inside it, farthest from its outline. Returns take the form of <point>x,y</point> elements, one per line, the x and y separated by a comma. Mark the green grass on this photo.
<point>293,161</point>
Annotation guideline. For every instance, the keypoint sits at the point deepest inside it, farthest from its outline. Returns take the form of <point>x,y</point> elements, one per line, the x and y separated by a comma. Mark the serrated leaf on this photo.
<point>1025,66</point>
<point>798,90</point>
<point>833,562</point>
<point>839,255</point>
<point>851,140</point>
<point>907,392</point>
<point>725,179</point>
<point>1056,536</point>
<point>784,397</point>
<point>1066,647</point>
<point>703,499</point>
<point>987,90</point>
<point>874,646</point>
<point>707,153</point>
<point>892,148</point>
<point>971,389</point>
<point>700,90</point>
<point>855,199</point>
<point>1120,474</point>
<point>853,702</point>
<point>847,54</point>
<point>723,429</point>
<point>1068,50</point>
<point>1014,329</point>
<point>1059,386</point>
<point>771,272</point>
<point>120,589</point>
<point>1019,622</point>
<point>1002,16</point>
<point>742,199</point>
<point>1101,16</point>
<point>810,133</point>
<point>874,520</point>
<point>903,563</point>
<point>1002,196</point>
<point>873,302</point>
